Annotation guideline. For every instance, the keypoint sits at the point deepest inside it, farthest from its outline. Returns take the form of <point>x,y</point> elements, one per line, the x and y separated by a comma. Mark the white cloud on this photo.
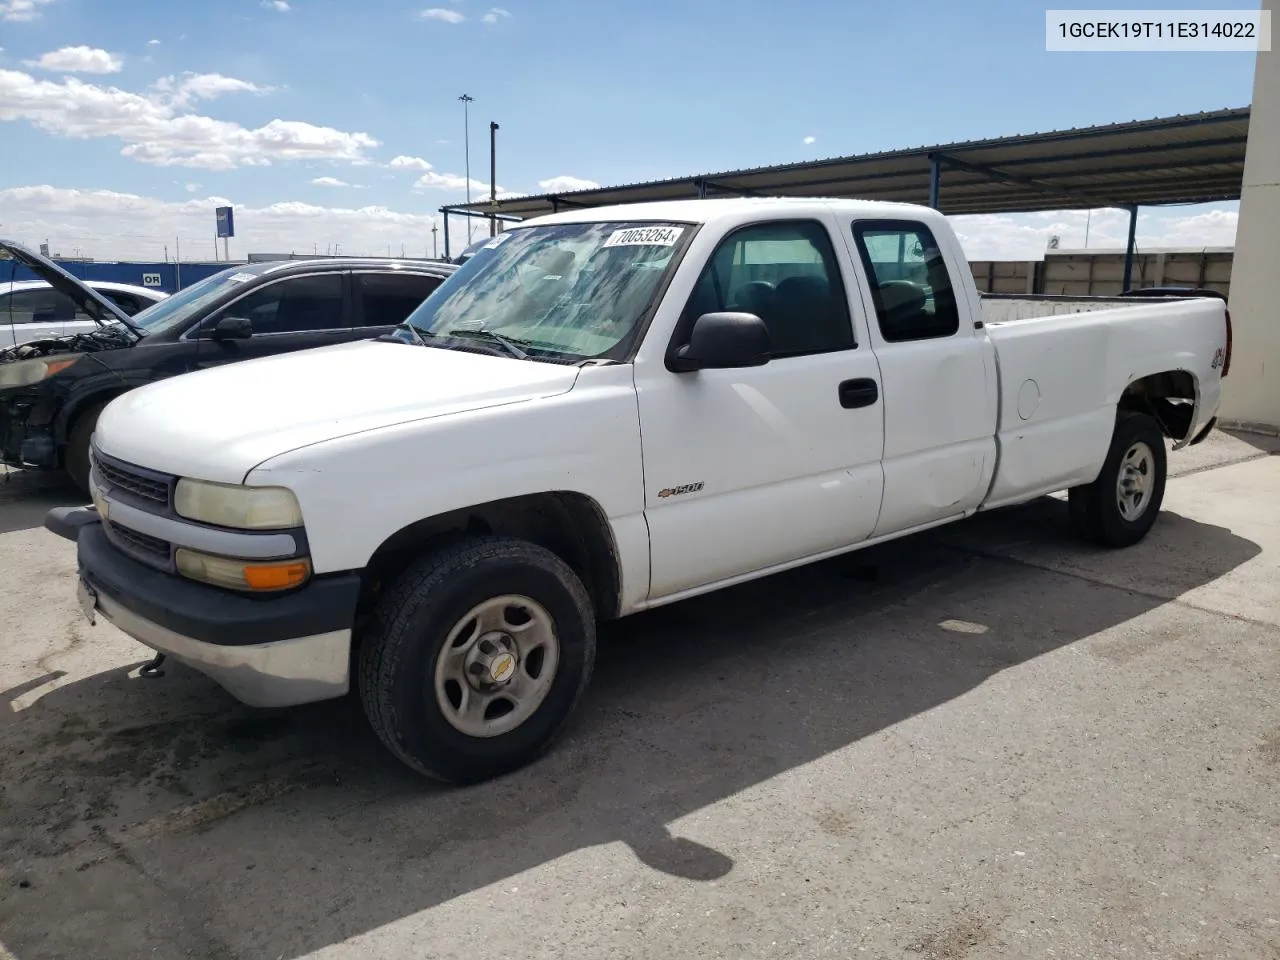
<point>155,130</point>
<point>104,223</point>
<point>567,184</point>
<point>192,187</point>
<point>78,60</point>
<point>281,6</point>
<point>808,141</point>
<point>443,15</point>
<point>21,10</point>
<point>409,163</point>
<point>181,91</point>
<point>153,43</point>
<point>451,181</point>
<point>496,14</point>
<point>329,182</point>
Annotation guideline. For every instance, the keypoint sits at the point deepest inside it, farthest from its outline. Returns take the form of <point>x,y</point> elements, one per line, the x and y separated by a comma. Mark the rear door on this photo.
<point>938,374</point>
<point>383,299</point>
<point>287,314</point>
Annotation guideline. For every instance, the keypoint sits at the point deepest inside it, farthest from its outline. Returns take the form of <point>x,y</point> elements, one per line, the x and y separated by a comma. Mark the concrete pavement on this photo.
<point>984,742</point>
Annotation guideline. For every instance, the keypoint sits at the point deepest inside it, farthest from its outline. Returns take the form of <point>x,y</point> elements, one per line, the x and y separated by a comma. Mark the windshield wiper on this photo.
<point>507,345</point>
<point>419,336</point>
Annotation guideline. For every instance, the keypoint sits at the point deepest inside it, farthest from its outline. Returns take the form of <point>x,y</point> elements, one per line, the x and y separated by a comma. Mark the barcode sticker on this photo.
<point>645,237</point>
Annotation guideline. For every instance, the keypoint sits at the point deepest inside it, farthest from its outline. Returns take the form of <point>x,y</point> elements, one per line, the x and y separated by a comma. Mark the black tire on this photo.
<point>1096,513</point>
<point>75,458</point>
<point>411,623</point>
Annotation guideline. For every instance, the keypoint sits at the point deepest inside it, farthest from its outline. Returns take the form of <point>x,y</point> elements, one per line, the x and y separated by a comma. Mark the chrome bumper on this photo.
<point>279,674</point>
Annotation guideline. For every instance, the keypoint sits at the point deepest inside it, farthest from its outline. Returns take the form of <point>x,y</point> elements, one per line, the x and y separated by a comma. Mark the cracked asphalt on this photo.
<point>988,741</point>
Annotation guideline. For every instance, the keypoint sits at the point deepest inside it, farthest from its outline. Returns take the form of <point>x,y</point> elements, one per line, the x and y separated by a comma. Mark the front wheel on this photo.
<point>1119,508</point>
<point>76,457</point>
<point>478,655</point>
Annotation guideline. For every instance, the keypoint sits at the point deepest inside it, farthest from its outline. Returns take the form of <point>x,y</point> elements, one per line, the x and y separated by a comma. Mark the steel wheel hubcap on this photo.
<point>496,666</point>
<point>1136,481</point>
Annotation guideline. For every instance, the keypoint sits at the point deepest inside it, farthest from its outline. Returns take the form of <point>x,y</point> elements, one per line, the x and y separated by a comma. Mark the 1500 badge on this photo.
<point>677,491</point>
<point>1219,358</point>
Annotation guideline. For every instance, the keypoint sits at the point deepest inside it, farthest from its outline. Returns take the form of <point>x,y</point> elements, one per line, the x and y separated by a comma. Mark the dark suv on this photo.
<point>51,391</point>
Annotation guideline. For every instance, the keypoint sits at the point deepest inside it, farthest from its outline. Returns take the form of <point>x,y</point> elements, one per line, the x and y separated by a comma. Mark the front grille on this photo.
<point>146,486</point>
<point>148,549</point>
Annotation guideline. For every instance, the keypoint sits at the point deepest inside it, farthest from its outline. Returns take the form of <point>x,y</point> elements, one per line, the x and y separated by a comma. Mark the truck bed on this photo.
<point>1061,376</point>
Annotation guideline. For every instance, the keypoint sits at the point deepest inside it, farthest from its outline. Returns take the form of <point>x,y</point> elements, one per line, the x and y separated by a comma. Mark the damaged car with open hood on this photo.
<point>53,389</point>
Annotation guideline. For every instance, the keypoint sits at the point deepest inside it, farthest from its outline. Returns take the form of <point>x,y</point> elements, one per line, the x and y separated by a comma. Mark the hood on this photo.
<point>84,297</point>
<point>219,424</point>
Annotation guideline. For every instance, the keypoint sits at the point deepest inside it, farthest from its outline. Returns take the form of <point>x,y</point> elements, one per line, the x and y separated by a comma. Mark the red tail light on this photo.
<point>1226,362</point>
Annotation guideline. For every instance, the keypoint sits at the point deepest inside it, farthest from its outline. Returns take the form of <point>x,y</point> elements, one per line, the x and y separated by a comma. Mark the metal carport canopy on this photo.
<point>1192,158</point>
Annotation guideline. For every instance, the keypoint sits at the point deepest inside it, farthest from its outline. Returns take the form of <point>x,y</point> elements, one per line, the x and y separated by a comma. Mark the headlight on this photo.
<point>233,505</point>
<point>242,574</point>
<point>23,373</point>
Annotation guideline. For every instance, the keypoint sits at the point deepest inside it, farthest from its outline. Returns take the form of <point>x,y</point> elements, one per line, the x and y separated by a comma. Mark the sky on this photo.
<point>336,127</point>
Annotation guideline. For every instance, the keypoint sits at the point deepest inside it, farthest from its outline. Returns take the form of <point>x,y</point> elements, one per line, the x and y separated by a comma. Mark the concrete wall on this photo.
<point>1252,391</point>
<point>1100,273</point>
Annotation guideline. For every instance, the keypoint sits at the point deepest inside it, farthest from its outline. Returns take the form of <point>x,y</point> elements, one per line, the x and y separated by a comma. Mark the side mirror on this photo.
<point>722,341</point>
<point>232,328</point>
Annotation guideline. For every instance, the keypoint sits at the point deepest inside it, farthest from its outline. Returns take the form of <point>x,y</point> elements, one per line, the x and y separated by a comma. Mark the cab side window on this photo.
<point>910,284</point>
<point>295,305</point>
<point>784,272</point>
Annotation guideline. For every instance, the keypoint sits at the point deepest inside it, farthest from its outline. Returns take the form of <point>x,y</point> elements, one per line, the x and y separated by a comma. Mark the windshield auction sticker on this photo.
<point>645,237</point>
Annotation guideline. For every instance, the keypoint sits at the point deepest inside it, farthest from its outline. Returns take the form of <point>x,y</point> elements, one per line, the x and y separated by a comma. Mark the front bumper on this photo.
<point>265,651</point>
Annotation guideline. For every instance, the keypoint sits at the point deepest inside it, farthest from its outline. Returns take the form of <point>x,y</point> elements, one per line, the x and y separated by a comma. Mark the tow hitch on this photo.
<point>151,669</point>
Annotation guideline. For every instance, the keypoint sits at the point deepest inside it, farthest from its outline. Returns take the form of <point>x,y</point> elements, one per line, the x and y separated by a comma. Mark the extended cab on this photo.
<point>604,411</point>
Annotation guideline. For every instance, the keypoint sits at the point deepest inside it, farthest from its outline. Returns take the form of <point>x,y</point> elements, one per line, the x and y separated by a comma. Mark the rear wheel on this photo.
<point>1119,508</point>
<point>478,656</point>
<point>76,457</point>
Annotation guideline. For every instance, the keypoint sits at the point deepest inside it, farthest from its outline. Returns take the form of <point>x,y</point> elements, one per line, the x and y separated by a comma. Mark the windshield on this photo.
<point>174,310</point>
<point>573,291</point>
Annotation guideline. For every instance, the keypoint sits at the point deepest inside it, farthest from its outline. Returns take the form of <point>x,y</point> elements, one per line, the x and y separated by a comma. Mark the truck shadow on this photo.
<point>160,818</point>
<point>26,496</point>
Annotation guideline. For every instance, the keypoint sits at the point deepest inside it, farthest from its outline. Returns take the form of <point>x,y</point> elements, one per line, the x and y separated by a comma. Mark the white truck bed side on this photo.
<point>1062,376</point>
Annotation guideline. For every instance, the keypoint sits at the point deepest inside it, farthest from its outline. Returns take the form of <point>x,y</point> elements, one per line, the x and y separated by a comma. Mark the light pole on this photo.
<point>467,100</point>
<point>493,178</point>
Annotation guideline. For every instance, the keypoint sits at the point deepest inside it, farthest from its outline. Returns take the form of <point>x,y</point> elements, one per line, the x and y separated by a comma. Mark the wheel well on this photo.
<point>90,402</point>
<point>1169,396</point>
<point>570,525</point>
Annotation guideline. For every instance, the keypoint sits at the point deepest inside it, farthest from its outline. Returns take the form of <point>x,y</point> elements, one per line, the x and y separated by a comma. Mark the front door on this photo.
<point>382,300</point>
<point>753,468</point>
<point>292,313</point>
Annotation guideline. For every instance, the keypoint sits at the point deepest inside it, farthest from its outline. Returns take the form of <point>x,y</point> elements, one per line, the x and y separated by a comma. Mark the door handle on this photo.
<point>862,392</point>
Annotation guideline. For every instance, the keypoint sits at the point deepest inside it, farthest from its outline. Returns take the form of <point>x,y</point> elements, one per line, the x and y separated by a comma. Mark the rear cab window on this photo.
<point>910,284</point>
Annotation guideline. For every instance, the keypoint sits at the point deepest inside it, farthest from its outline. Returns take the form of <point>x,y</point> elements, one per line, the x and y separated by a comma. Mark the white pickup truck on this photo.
<point>601,412</point>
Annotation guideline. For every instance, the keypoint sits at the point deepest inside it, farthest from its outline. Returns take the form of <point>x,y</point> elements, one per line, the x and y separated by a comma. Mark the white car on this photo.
<point>33,310</point>
<point>601,412</point>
